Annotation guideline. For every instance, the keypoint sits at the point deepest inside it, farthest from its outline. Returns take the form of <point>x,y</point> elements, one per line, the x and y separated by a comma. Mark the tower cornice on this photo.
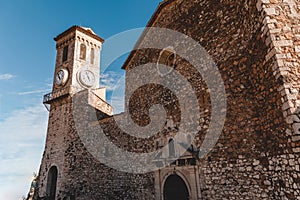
<point>81,29</point>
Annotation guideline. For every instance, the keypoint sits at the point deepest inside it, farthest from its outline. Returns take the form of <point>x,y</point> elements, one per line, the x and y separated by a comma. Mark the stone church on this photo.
<point>255,45</point>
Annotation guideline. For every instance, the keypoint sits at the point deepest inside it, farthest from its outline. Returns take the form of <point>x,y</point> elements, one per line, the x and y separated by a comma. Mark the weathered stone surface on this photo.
<point>255,46</point>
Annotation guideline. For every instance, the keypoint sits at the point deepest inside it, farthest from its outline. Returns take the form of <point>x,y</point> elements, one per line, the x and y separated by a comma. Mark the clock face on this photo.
<point>61,77</point>
<point>86,78</point>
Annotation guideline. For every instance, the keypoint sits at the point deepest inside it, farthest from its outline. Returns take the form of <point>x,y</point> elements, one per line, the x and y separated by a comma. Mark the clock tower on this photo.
<point>77,63</point>
<point>77,70</point>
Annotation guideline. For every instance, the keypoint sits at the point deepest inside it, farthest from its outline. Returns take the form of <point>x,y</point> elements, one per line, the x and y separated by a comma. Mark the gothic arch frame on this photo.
<point>189,174</point>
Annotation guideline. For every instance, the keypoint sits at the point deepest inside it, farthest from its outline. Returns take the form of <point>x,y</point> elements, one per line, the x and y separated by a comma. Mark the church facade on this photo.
<point>255,45</point>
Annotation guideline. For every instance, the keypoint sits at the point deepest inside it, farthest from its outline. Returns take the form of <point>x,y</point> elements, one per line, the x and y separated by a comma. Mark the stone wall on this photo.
<point>255,46</point>
<point>80,174</point>
<point>281,27</point>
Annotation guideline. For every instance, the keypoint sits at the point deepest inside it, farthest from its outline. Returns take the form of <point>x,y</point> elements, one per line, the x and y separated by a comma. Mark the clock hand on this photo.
<point>88,77</point>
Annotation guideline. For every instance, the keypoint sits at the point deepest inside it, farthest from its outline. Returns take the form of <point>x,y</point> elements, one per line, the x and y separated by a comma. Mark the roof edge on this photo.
<point>149,24</point>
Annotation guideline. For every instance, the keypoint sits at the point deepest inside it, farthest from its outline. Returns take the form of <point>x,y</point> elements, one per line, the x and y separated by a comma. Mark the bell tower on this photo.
<point>78,54</point>
<point>77,71</point>
<point>77,63</point>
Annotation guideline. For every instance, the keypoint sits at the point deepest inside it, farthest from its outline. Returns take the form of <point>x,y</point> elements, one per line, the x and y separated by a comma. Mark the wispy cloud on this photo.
<point>22,139</point>
<point>35,92</point>
<point>6,76</point>
<point>110,80</point>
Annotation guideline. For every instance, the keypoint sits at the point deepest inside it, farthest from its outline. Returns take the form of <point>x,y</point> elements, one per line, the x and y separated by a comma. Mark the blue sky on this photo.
<point>27,56</point>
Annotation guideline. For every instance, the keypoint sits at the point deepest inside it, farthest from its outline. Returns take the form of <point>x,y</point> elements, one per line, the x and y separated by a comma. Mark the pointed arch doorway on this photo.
<point>175,188</point>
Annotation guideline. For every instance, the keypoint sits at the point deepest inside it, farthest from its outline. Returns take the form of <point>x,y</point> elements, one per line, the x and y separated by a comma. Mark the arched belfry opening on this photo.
<point>51,183</point>
<point>175,188</point>
<point>82,55</point>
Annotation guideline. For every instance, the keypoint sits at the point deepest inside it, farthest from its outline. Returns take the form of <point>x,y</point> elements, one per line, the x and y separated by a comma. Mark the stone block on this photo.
<point>296,150</point>
<point>270,11</point>
<point>296,127</point>
<point>283,43</point>
<point>296,138</point>
<point>287,105</point>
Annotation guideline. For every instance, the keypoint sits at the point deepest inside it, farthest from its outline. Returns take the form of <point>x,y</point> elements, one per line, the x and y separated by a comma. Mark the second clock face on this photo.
<point>86,78</point>
<point>61,77</point>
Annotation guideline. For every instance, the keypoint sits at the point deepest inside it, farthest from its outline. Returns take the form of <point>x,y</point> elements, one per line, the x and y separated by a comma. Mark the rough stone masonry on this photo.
<point>256,46</point>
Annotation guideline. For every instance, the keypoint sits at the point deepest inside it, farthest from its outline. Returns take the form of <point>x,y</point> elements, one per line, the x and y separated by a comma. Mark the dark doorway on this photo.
<point>51,183</point>
<point>175,188</point>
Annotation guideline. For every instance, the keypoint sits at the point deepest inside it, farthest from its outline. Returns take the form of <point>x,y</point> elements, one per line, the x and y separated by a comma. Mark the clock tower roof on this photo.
<point>85,30</point>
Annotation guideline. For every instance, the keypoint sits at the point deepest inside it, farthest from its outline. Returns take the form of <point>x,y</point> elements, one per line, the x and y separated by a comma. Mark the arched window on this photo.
<point>92,55</point>
<point>65,53</point>
<point>51,183</point>
<point>189,139</point>
<point>82,55</point>
<point>171,148</point>
<point>106,151</point>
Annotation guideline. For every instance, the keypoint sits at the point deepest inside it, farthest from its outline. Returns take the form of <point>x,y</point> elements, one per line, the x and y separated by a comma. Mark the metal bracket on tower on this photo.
<point>47,106</point>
